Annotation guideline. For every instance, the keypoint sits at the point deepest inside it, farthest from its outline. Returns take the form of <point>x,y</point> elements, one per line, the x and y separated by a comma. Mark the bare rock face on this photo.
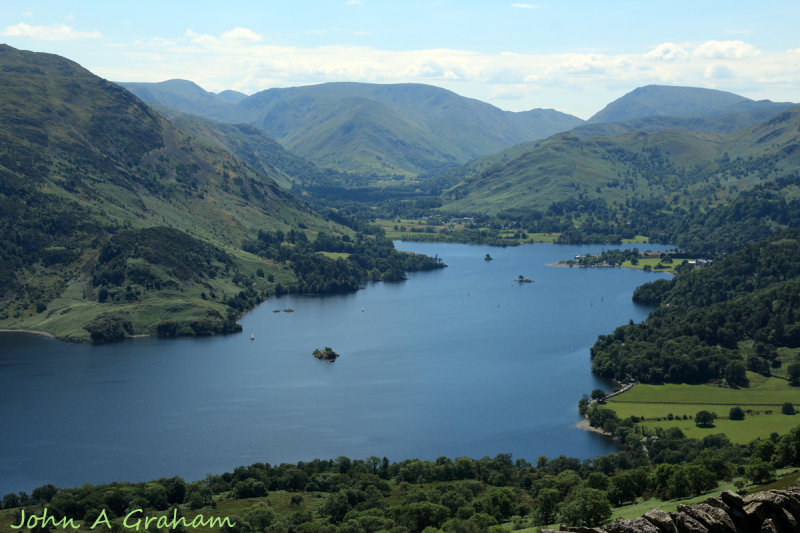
<point>771,511</point>
<point>637,525</point>
<point>662,521</point>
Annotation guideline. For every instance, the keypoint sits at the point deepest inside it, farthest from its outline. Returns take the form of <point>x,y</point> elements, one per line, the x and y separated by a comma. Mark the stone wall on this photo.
<point>771,511</point>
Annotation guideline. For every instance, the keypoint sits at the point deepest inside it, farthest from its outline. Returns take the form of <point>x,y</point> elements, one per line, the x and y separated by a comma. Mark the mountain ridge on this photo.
<point>457,128</point>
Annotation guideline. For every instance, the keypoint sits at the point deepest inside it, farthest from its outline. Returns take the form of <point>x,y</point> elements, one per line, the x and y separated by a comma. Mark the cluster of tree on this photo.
<point>450,495</point>
<point>693,335</point>
<point>365,257</point>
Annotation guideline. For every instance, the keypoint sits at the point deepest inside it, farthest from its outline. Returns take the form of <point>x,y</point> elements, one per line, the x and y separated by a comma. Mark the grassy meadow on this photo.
<point>674,405</point>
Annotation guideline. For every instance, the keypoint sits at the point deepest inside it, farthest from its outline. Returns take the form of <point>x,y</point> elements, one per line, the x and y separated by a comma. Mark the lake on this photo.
<point>462,361</point>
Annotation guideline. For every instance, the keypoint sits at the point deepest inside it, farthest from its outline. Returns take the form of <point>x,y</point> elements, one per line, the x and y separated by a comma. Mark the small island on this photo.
<point>523,279</point>
<point>326,355</point>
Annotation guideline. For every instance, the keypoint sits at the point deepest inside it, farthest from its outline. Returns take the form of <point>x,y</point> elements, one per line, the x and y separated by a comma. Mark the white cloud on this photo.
<point>354,2</point>
<point>56,32</point>
<point>718,72</point>
<point>725,50</point>
<point>241,34</point>
<point>667,52</point>
<point>236,60</point>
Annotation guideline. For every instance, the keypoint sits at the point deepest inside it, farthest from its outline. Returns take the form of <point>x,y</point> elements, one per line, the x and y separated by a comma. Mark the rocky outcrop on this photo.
<point>771,511</point>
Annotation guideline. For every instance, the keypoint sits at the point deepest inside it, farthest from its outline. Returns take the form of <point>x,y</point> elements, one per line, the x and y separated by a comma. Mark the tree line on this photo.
<point>445,494</point>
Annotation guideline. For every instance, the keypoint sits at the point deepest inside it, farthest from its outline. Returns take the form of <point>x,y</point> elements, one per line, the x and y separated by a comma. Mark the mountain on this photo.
<point>658,107</point>
<point>740,116</point>
<point>114,222</point>
<point>680,167</point>
<point>663,100</point>
<point>185,96</point>
<point>371,129</point>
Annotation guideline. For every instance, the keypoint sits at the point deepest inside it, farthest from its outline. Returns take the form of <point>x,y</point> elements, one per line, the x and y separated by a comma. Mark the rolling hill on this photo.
<point>370,129</point>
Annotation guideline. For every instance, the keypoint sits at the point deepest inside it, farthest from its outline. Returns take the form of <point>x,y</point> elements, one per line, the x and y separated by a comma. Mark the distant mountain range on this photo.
<point>368,129</point>
<point>113,211</point>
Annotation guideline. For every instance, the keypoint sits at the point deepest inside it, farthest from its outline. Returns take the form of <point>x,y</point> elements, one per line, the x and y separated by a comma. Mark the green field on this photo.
<point>442,231</point>
<point>666,406</point>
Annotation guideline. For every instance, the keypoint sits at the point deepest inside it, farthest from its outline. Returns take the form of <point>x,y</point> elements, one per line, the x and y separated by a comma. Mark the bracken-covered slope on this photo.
<point>371,129</point>
<point>98,197</point>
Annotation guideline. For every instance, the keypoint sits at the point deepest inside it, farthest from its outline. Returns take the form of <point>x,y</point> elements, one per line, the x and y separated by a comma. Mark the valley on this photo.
<point>139,216</point>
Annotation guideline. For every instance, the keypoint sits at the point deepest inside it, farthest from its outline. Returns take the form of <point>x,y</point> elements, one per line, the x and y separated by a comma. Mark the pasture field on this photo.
<point>674,405</point>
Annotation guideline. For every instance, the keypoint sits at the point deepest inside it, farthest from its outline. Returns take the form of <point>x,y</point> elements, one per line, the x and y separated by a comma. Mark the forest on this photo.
<point>363,258</point>
<point>693,335</point>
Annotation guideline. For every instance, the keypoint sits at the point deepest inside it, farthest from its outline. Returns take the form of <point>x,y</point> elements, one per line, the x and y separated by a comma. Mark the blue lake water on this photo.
<point>462,361</point>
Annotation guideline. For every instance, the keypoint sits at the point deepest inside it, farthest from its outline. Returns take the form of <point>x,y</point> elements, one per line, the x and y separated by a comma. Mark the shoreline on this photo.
<point>584,425</point>
<point>31,331</point>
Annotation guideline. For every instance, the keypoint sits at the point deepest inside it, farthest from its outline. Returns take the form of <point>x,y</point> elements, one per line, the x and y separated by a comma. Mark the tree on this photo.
<point>44,493</point>
<point>547,505</point>
<point>598,394</point>
<point>10,501</point>
<point>736,374</point>
<point>788,408</point>
<point>759,471</point>
<point>794,372</point>
<point>588,507</point>
<point>621,489</point>
<point>736,413</point>
<point>259,516</point>
<point>704,418</point>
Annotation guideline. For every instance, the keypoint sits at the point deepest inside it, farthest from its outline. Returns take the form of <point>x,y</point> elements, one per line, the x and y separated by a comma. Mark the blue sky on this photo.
<point>575,56</point>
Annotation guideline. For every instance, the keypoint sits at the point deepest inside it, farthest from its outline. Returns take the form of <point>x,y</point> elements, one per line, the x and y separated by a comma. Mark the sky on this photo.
<point>571,55</point>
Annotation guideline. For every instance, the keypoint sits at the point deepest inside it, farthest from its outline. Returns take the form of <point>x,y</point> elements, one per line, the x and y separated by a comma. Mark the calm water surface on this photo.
<point>458,362</point>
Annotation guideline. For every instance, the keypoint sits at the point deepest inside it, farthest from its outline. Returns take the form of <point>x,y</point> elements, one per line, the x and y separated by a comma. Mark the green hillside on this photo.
<point>680,167</point>
<point>255,148</point>
<point>632,165</point>
<point>113,222</point>
<point>371,129</point>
